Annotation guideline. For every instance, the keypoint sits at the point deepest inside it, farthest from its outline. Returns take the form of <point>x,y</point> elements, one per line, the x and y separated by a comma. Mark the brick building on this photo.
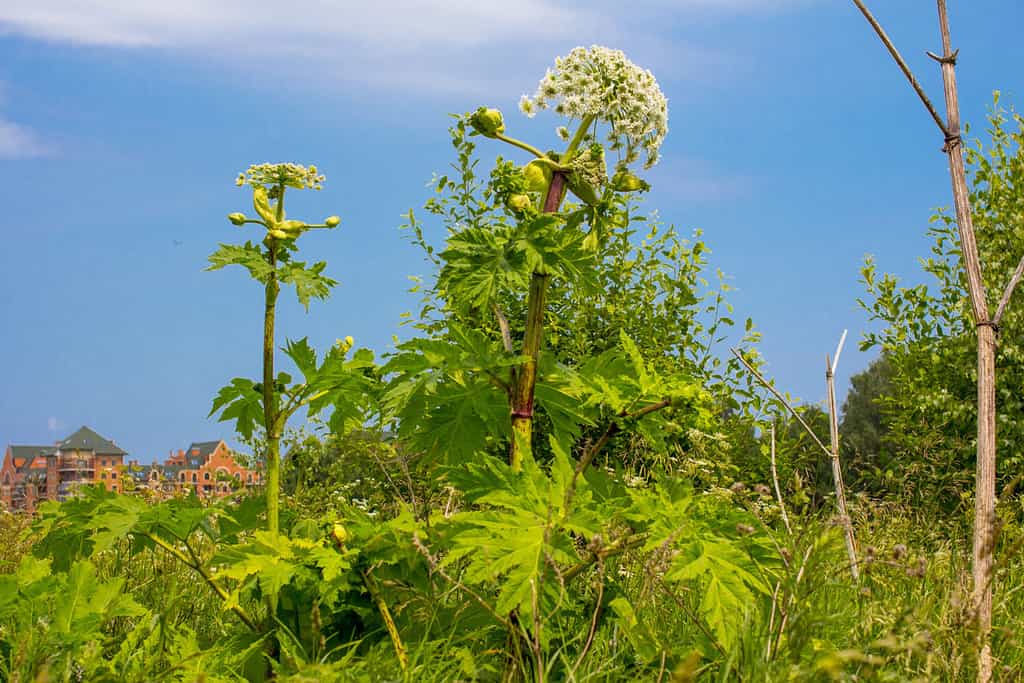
<point>33,473</point>
<point>207,467</point>
<point>30,474</point>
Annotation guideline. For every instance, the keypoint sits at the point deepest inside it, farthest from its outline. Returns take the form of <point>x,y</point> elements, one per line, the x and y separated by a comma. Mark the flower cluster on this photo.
<point>274,175</point>
<point>601,84</point>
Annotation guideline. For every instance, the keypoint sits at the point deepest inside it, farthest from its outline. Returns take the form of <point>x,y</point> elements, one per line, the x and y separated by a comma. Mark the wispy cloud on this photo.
<point>406,44</point>
<point>19,142</point>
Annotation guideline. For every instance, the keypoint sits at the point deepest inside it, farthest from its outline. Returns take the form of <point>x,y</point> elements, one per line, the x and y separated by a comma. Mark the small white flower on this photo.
<point>601,83</point>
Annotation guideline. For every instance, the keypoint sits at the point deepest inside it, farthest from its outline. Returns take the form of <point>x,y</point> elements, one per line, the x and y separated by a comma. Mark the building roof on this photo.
<point>87,440</point>
<point>24,457</point>
<point>205,448</point>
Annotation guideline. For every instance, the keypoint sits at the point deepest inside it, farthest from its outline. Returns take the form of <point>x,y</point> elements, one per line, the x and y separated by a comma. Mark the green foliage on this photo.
<point>927,335</point>
<point>622,545</point>
<point>57,618</point>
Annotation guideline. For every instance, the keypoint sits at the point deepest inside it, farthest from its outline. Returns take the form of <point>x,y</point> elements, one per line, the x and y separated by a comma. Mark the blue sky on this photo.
<point>794,144</point>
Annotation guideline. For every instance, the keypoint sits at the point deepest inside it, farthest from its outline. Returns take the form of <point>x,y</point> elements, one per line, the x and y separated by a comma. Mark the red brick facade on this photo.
<point>30,474</point>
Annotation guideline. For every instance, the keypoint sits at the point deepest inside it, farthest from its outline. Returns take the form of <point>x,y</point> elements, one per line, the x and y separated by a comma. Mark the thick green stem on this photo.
<point>389,622</point>
<point>270,403</point>
<point>520,144</point>
<point>271,408</point>
<point>577,138</point>
<point>526,377</point>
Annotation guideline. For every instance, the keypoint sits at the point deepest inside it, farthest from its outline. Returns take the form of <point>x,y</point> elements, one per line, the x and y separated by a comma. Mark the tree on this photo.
<point>928,338</point>
<point>864,427</point>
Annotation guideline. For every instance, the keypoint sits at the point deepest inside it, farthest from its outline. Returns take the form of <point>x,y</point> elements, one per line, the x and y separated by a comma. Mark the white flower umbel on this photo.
<point>290,175</point>
<point>600,84</point>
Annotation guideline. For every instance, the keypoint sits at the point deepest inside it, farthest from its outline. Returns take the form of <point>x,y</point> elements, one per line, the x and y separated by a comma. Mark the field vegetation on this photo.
<point>562,473</point>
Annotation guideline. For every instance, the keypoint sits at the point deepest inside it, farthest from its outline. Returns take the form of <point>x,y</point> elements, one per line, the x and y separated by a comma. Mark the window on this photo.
<point>113,475</point>
<point>103,475</point>
<point>206,476</point>
<point>194,477</point>
<point>238,477</point>
<point>248,477</point>
<point>182,476</point>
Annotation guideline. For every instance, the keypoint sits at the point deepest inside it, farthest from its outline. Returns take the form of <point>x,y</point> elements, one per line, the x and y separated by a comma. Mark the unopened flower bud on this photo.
<point>261,202</point>
<point>624,181</point>
<point>538,176</point>
<point>237,218</point>
<point>487,122</point>
<point>278,234</point>
<point>332,221</point>
<point>291,228</point>
<point>519,202</point>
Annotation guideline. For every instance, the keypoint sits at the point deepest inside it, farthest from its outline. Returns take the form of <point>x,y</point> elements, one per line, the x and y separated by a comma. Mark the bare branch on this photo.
<point>903,66</point>
<point>839,350</point>
<point>769,387</point>
<point>1008,292</point>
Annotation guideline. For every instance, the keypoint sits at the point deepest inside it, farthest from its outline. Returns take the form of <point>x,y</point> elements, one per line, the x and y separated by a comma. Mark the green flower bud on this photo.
<point>292,228</point>
<point>538,176</point>
<point>332,221</point>
<point>345,344</point>
<point>237,218</point>
<point>487,122</point>
<point>519,202</point>
<point>624,181</point>
<point>583,190</point>
<point>279,234</point>
<point>261,202</point>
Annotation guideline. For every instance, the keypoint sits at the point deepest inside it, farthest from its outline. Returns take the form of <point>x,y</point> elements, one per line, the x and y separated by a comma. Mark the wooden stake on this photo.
<point>985,475</point>
<point>837,471</point>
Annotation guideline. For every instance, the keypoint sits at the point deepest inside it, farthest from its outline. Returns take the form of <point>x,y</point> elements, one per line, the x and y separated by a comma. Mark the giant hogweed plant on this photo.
<point>536,530</point>
<point>271,401</point>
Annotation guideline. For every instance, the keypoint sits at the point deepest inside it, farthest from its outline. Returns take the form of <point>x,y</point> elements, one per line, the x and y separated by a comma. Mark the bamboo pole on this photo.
<point>837,471</point>
<point>985,475</point>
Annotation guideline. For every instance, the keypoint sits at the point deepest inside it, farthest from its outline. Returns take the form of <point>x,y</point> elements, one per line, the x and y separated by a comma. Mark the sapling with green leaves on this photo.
<point>337,381</point>
<point>612,105</point>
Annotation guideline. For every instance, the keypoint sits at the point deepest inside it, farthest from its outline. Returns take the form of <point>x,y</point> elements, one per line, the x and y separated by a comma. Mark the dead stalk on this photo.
<point>775,480</point>
<point>767,385</point>
<point>985,476</point>
<point>837,471</point>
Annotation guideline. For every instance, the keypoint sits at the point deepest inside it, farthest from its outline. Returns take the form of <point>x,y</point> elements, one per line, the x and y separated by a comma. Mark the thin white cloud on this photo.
<point>19,142</point>
<point>437,46</point>
<point>269,27</point>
